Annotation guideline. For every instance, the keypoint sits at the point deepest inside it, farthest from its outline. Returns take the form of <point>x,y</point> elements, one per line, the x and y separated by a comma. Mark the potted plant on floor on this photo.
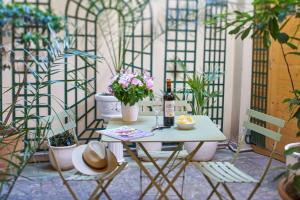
<point>130,88</point>
<point>62,146</point>
<point>269,21</point>
<point>198,84</point>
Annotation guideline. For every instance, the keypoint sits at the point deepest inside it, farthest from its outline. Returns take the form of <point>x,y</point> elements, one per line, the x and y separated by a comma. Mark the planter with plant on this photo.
<point>62,145</point>
<point>268,21</point>
<point>129,89</point>
<point>199,88</point>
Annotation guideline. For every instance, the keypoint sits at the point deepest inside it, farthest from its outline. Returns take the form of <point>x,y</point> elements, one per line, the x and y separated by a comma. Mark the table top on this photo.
<point>204,131</point>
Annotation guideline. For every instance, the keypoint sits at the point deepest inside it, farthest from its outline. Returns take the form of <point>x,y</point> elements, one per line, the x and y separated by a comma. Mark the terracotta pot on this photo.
<point>63,156</point>
<point>10,148</point>
<point>130,113</point>
<point>284,192</point>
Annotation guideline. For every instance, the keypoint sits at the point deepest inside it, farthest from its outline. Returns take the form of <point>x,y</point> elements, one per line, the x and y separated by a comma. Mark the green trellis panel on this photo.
<point>84,14</point>
<point>180,43</point>
<point>215,57</point>
<point>42,107</point>
<point>259,86</point>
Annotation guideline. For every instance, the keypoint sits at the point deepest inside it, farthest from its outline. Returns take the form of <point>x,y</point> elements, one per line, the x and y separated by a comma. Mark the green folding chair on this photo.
<point>181,108</point>
<point>59,123</point>
<point>225,172</point>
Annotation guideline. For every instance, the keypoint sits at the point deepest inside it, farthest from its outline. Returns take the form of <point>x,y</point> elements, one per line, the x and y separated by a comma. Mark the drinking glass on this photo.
<point>157,107</point>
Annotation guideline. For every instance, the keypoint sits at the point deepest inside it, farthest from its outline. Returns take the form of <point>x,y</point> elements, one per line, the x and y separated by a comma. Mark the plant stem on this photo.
<point>288,69</point>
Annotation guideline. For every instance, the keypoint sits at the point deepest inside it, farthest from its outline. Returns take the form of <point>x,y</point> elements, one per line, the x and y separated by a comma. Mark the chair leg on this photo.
<point>228,191</point>
<point>214,188</point>
<point>70,189</point>
<point>213,191</point>
<point>104,190</point>
<point>253,191</point>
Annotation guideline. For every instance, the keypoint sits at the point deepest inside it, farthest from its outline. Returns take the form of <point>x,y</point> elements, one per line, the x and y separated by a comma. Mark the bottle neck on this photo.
<point>168,86</point>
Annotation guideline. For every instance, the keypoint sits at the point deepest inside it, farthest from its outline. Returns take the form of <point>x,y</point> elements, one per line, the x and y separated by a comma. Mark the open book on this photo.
<point>126,133</point>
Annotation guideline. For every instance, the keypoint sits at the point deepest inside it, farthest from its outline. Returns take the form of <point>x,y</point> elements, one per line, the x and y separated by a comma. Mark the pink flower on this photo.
<point>136,81</point>
<point>149,83</point>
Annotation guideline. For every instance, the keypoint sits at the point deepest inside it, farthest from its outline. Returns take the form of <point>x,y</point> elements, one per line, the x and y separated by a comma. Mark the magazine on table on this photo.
<point>126,133</point>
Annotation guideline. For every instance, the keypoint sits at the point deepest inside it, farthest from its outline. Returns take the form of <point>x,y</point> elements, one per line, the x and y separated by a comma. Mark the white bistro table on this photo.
<point>204,131</point>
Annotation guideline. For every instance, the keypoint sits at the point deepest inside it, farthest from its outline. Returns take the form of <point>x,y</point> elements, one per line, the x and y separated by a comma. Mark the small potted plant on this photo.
<point>130,88</point>
<point>62,145</point>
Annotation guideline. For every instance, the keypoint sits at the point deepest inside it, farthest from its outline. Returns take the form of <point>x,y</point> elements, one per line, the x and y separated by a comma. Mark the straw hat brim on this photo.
<point>83,168</point>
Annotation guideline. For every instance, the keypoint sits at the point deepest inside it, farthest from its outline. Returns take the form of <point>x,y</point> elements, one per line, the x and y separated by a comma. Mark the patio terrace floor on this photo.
<point>44,183</point>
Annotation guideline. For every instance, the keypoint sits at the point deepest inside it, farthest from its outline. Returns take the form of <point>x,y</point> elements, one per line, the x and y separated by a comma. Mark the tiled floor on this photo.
<point>43,183</point>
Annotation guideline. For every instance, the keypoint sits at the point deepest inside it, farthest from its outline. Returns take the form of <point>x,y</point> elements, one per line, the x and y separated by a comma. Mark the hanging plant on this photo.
<point>29,18</point>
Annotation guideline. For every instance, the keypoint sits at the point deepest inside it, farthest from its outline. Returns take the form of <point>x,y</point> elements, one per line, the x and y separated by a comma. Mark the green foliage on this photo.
<point>63,139</point>
<point>23,15</point>
<point>131,88</point>
<point>59,50</point>
<point>199,87</point>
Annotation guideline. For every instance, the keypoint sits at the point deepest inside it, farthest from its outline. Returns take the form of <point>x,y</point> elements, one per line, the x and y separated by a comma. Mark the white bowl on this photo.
<point>185,126</point>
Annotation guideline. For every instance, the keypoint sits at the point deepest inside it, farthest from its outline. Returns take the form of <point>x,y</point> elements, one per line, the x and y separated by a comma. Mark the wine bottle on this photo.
<point>169,106</point>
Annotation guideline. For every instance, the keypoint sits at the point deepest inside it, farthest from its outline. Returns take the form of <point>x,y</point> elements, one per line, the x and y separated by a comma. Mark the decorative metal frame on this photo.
<point>40,107</point>
<point>259,85</point>
<point>132,13</point>
<point>214,58</point>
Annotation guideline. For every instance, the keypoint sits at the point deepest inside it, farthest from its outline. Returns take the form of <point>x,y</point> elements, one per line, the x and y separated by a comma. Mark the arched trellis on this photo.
<point>84,14</point>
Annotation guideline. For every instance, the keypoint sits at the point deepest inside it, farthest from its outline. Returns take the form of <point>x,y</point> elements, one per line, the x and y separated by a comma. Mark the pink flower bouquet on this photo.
<point>129,88</point>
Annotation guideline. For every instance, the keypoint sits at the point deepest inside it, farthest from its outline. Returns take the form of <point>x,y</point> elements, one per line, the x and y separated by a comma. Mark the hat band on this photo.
<point>97,168</point>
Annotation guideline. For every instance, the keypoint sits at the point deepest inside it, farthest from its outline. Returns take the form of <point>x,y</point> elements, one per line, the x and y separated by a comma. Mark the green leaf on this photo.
<point>283,37</point>
<point>246,32</point>
<point>294,53</point>
<point>291,45</point>
<point>291,150</point>
<point>235,31</point>
<point>296,183</point>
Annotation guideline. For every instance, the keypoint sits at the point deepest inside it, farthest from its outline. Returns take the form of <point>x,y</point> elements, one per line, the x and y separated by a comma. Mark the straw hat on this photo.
<point>93,159</point>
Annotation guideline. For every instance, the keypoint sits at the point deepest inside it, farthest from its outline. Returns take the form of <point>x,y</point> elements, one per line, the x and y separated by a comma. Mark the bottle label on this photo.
<point>169,108</point>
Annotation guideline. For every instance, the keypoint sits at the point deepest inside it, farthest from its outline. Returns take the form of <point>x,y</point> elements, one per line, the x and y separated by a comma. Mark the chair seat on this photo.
<point>77,176</point>
<point>163,154</point>
<point>224,172</point>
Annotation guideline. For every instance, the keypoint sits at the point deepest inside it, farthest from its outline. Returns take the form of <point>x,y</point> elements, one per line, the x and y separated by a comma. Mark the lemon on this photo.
<point>185,119</point>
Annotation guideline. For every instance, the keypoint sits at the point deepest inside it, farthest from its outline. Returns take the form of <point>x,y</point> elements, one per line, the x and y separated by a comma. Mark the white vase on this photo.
<point>107,106</point>
<point>129,113</point>
<point>294,157</point>
<point>206,152</point>
<point>117,149</point>
<point>63,156</point>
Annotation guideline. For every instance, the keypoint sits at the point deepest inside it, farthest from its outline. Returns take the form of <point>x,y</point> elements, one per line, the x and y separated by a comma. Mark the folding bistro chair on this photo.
<point>146,110</point>
<point>226,172</point>
<point>59,123</point>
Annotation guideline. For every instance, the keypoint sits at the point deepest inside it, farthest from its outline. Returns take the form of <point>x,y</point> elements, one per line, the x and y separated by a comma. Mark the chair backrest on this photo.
<point>58,123</point>
<point>274,135</point>
<point>146,109</point>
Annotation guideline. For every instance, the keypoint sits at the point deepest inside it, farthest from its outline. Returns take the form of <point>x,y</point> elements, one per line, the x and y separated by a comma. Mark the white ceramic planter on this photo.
<point>129,113</point>
<point>63,156</point>
<point>206,152</point>
<point>150,146</point>
<point>117,149</point>
<point>107,106</point>
<point>293,158</point>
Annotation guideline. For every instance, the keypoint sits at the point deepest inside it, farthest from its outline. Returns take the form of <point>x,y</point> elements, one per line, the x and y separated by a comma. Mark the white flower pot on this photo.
<point>117,149</point>
<point>206,152</point>
<point>150,146</point>
<point>293,158</point>
<point>63,156</point>
<point>129,113</point>
<point>107,106</point>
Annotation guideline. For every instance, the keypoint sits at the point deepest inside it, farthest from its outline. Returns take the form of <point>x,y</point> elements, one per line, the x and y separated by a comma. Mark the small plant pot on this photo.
<point>10,148</point>
<point>107,106</point>
<point>63,156</point>
<point>130,113</point>
<point>206,152</point>
<point>286,190</point>
<point>294,157</point>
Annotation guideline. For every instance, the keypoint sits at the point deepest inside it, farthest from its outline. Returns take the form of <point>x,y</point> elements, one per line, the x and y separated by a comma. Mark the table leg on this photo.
<point>160,171</point>
<point>188,159</point>
<point>144,169</point>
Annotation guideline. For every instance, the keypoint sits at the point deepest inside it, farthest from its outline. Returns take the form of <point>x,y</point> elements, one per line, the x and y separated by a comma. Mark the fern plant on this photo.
<point>58,52</point>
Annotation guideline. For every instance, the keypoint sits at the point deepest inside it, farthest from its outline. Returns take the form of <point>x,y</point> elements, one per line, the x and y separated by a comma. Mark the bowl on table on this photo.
<point>185,122</point>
